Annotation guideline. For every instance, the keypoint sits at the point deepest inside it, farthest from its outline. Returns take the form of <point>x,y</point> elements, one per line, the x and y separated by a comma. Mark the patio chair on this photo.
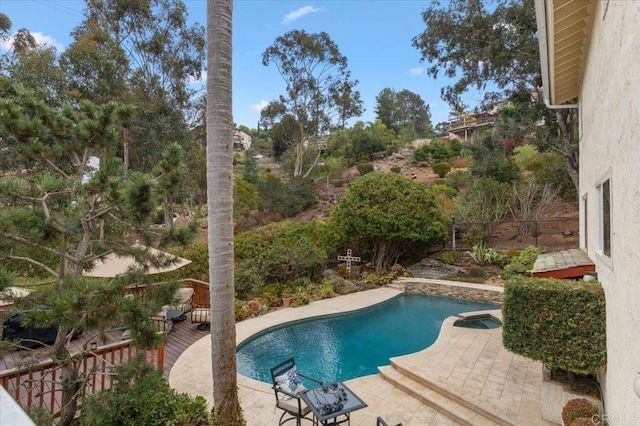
<point>184,300</point>
<point>381,422</point>
<point>286,386</point>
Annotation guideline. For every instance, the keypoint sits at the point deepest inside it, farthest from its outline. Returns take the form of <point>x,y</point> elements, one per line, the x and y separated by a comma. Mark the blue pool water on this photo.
<point>342,347</point>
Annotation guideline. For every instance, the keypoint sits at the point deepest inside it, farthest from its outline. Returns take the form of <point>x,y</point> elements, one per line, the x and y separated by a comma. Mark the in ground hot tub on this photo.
<point>482,321</point>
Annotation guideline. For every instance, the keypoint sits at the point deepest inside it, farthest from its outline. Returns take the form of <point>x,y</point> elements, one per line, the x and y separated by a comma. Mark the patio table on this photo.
<point>332,401</point>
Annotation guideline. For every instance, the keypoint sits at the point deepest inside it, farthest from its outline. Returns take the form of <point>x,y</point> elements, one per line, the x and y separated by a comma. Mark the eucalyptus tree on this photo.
<point>22,39</point>
<point>319,90</point>
<point>66,212</point>
<point>32,65</point>
<point>399,109</point>
<point>220,208</point>
<point>492,46</point>
<point>161,54</point>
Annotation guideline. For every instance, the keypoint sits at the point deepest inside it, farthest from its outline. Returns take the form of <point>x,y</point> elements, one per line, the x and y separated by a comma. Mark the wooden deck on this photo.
<point>182,335</point>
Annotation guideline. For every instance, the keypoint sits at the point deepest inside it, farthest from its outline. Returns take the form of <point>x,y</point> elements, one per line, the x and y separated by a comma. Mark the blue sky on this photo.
<point>375,36</point>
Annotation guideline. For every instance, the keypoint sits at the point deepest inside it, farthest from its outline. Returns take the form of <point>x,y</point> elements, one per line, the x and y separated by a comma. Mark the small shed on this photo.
<point>573,263</point>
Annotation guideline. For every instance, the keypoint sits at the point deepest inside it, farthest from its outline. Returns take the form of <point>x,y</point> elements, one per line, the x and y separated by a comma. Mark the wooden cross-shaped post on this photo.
<point>348,258</point>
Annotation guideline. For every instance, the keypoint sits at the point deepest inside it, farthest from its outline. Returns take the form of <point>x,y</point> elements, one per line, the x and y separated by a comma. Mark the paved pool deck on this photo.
<point>472,362</point>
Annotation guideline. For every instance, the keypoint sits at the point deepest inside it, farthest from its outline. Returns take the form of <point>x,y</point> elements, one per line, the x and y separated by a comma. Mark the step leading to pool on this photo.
<point>435,399</point>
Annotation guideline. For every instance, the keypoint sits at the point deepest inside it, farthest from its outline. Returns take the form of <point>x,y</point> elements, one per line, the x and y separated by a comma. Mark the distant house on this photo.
<point>590,51</point>
<point>466,127</point>
<point>242,139</point>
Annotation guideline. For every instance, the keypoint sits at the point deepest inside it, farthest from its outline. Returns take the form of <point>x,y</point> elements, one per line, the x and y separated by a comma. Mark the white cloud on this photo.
<point>292,16</point>
<point>416,71</point>
<point>259,106</point>
<point>41,39</point>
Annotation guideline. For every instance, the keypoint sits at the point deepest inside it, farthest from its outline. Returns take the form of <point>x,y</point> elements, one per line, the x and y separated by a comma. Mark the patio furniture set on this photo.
<point>326,404</point>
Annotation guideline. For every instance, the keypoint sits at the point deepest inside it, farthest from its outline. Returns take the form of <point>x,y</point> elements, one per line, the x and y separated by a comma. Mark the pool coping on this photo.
<point>190,365</point>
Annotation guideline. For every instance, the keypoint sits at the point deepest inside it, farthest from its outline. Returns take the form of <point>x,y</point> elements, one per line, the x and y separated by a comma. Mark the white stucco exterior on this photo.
<point>242,138</point>
<point>610,149</point>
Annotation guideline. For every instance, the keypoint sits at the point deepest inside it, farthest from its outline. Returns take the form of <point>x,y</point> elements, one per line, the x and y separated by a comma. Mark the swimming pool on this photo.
<point>345,346</point>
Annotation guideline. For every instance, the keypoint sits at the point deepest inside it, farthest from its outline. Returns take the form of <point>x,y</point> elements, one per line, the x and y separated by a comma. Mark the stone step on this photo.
<point>493,417</point>
<point>451,409</point>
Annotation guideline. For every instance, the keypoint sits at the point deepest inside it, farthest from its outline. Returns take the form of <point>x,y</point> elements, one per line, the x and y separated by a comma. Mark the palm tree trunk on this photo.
<point>220,209</point>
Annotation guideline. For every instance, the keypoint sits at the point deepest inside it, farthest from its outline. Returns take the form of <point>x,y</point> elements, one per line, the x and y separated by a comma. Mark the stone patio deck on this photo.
<point>471,366</point>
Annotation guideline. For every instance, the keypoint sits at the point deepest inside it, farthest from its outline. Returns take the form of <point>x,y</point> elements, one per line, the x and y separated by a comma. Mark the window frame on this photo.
<point>604,249</point>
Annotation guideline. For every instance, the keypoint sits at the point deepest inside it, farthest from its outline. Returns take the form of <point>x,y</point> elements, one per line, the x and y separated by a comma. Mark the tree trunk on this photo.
<point>566,126</point>
<point>220,209</point>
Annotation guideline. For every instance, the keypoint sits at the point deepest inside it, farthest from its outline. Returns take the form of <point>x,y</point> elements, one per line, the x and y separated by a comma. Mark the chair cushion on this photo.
<point>290,379</point>
<point>291,405</point>
<point>200,316</point>
<point>184,294</point>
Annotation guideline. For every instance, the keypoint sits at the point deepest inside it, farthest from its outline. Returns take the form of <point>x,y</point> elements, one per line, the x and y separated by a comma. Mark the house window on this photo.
<point>604,199</point>
<point>585,223</point>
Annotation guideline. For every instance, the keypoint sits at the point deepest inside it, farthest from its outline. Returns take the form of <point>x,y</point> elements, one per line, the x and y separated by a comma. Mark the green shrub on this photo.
<point>441,169</point>
<point>141,396</point>
<point>242,310</point>
<point>421,153</point>
<point>551,168</point>
<point>325,290</point>
<point>300,299</point>
<point>522,263</point>
<point>395,169</point>
<point>282,251</point>
<point>247,281</point>
<point>439,149</point>
<point>484,255</point>
<point>198,254</point>
<point>378,279</point>
<point>364,168</point>
<point>384,214</point>
<point>559,322</point>
<point>524,156</point>
<point>455,147</point>
<point>458,179</point>
<point>448,257</point>
<point>578,408</point>
<point>288,197</point>
<point>271,295</point>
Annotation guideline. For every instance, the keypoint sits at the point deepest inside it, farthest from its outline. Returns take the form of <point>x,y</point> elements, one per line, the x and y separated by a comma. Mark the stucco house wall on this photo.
<point>243,138</point>
<point>610,148</point>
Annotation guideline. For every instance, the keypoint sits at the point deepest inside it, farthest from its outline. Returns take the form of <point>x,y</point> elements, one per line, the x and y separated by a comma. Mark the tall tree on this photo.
<point>163,52</point>
<point>400,109</point>
<point>65,215</point>
<point>220,208</point>
<point>319,87</point>
<point>492,46</point>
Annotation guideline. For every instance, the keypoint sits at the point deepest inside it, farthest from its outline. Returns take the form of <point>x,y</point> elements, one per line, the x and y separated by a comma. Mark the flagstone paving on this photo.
<point>472,364</point>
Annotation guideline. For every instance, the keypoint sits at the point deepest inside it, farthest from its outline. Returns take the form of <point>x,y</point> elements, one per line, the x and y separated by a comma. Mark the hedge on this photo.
<point>559,322</point>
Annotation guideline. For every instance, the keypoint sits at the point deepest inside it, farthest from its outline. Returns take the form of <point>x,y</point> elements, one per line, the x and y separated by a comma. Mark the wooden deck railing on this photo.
<point>201,292</point>
<point>38,386</point>
<point>200,295</point>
